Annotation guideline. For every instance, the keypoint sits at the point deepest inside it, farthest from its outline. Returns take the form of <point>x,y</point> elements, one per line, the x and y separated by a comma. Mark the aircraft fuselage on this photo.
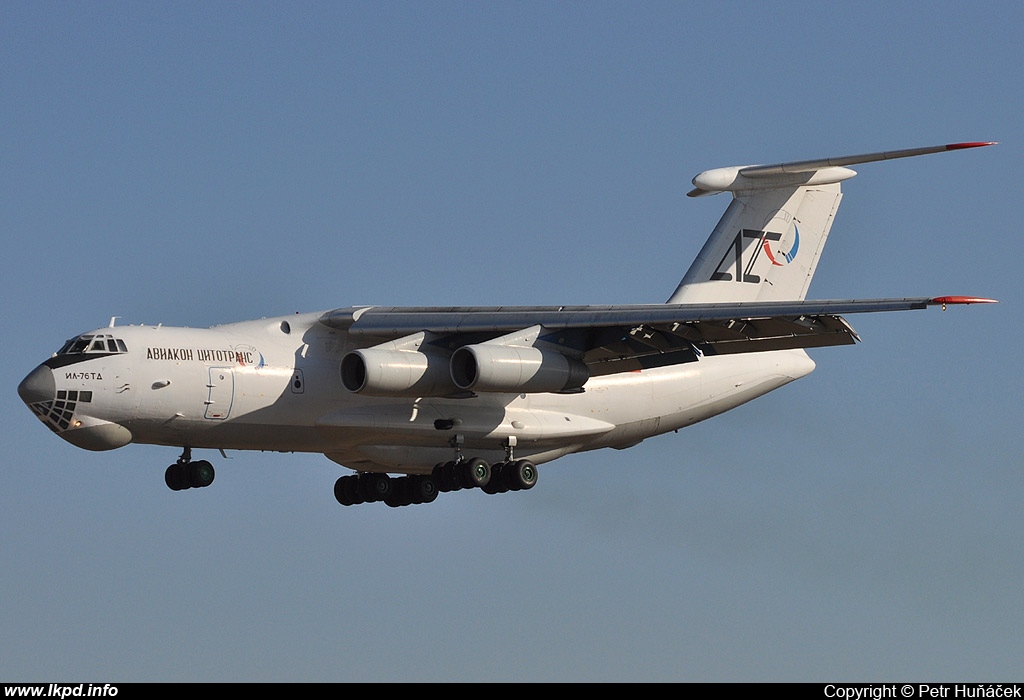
<point>274,385</point>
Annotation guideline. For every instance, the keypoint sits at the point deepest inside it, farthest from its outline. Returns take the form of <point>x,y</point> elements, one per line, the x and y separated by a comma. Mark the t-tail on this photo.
<point>768,243</point>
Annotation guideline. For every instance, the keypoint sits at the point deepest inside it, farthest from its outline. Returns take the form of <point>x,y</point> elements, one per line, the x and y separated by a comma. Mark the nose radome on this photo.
<point>38,386</point>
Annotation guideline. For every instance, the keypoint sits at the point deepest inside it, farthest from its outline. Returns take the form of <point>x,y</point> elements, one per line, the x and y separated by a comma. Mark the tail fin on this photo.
<point>768,243</point>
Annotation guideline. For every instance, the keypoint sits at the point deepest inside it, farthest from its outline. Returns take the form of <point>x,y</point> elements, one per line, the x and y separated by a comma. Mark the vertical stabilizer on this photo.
<point>765,248</point>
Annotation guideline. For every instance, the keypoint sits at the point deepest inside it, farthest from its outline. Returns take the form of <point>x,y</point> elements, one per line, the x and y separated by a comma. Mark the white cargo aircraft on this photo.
<point>462,397</point>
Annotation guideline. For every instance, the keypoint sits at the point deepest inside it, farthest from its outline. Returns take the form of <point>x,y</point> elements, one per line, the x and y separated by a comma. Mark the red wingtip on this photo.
<point>969,144</point>
<point>963,300</point>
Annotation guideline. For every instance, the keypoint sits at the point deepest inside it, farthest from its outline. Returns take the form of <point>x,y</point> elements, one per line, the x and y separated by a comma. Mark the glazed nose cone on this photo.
<point>38,386</point>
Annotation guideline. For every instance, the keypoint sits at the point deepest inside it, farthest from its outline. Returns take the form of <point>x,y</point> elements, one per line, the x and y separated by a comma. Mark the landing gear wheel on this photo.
<point>520,475</point>
<point>346,490</point>
<point>374,486</point>
<point>439,477</point>
<point>445,477</point>
<point>497,482</point>
<point>410,490</point>
<point>474,473</point>
<point>341,492</point>
<point>423,489</point>
<point>200,474</point>
<point>400,493</point>
<point>176,478</point>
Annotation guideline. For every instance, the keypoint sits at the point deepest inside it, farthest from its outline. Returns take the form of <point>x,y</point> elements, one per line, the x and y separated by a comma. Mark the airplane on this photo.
<point>417,401</point>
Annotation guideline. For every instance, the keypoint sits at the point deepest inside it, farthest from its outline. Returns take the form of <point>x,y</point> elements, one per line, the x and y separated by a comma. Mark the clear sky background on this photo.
<point>198,163</point>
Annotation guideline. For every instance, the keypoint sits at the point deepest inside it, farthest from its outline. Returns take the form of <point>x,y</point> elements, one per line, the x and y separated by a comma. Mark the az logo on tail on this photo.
<point>733,258</point>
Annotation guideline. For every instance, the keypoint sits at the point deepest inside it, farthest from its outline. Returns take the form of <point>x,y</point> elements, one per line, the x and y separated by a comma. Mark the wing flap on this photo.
<point>762,335</point>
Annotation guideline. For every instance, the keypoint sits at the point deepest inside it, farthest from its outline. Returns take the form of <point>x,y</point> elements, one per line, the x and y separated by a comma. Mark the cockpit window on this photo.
<point>93,343</point>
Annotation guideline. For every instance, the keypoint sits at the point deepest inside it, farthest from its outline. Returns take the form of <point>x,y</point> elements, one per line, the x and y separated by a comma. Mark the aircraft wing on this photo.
<point>610,339</point>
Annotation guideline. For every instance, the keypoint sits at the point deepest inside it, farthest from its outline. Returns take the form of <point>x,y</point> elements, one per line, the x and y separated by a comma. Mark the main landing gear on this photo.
<point>458,474</point>
<point>368,487</point>
<point>186,474</point>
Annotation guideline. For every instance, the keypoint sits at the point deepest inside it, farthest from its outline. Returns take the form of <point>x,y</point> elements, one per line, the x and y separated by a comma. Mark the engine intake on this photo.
<point>501,368</point>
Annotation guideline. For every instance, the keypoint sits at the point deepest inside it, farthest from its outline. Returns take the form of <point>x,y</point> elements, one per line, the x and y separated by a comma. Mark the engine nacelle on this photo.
<point>376,372</point>
<point>503,368</point>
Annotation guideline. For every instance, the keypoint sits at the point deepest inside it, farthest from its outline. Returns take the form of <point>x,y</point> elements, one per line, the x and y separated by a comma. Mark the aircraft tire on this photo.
<point>374,487</point>
<point>437,474</point>
<point>501,477</point>
<point>521,475</point>
<point>200,474</point>
<point>175,478</point>
<point>475,473</point>
<point>346,490</point>
<point>497,483</point>
<point>491,487</point>
<point>400,493</point>
<point>423,489</point>
<point>447,477</point>
<point>341,491</point>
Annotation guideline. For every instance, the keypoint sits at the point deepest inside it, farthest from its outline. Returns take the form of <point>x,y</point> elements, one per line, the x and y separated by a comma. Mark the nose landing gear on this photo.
<point>186,474</point>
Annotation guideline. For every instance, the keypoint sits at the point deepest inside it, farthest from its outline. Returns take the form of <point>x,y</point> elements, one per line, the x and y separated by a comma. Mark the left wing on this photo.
<point>453,350</point>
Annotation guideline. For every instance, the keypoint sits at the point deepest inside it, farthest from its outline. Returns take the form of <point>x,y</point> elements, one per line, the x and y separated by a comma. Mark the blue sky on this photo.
<point>199,163</point>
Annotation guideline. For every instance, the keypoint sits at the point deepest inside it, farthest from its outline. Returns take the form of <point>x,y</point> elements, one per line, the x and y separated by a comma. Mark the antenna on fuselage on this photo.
<point>112,319</point>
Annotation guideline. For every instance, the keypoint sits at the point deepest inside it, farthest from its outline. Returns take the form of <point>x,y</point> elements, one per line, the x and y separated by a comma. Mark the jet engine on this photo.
<point>376,372</point>
<point>503,368</point>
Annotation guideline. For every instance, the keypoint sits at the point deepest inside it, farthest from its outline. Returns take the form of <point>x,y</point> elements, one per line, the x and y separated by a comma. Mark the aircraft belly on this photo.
<point>403,437</point>
<point>416,423</point>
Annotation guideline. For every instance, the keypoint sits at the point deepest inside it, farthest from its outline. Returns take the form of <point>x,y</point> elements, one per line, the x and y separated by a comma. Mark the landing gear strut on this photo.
<point>186,474</point>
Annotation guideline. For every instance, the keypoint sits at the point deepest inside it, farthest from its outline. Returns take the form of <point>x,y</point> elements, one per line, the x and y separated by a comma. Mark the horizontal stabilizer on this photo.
<point>803,166</point>
<point>804,172</point>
